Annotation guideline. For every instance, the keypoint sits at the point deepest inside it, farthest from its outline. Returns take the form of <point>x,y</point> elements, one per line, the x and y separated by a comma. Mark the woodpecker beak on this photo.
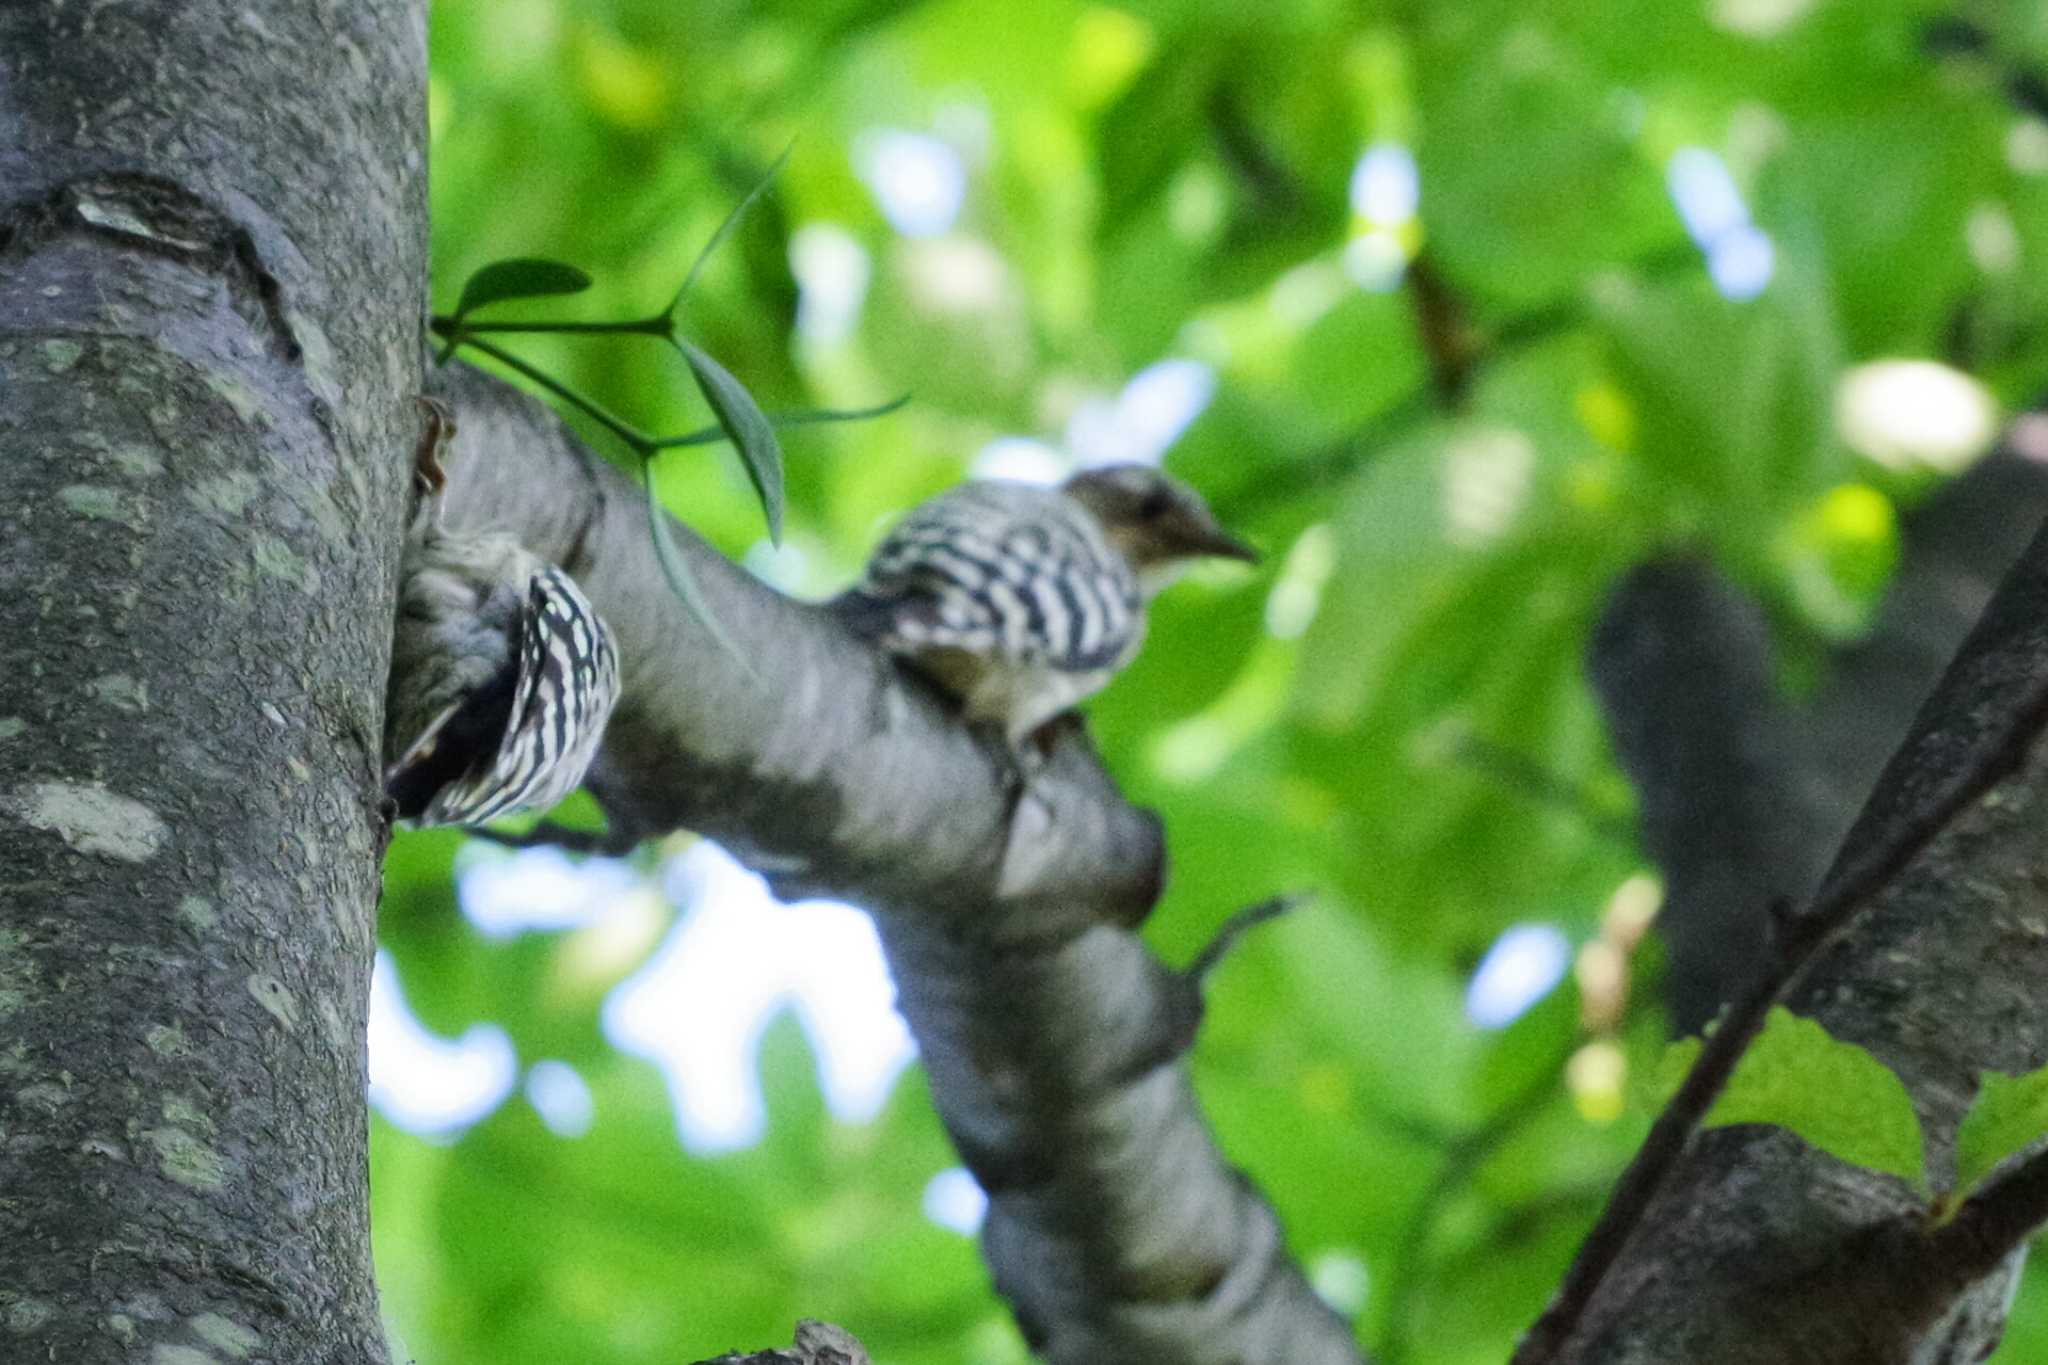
<point>1215,541</point>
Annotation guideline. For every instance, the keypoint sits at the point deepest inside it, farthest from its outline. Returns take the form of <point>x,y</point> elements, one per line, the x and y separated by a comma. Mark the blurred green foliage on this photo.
<point>1448,473</point>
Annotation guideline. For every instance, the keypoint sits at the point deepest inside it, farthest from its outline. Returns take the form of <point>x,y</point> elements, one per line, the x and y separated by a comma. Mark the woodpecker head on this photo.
<point>1157,522</point>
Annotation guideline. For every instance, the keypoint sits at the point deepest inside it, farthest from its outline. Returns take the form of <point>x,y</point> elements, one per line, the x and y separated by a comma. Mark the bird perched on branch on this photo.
<point>502,673</point>
<point>1022,600</point>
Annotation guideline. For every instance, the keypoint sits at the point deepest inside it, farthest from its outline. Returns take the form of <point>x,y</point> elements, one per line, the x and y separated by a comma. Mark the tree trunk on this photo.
<point>211,286</point>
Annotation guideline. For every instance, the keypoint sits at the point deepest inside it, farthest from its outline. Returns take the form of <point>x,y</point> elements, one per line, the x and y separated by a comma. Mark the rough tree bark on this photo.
<point>1761,1249</point>
<point>211,275</point>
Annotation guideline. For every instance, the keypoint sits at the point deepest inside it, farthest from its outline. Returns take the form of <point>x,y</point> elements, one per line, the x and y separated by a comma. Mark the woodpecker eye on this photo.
<point>1155,505</point>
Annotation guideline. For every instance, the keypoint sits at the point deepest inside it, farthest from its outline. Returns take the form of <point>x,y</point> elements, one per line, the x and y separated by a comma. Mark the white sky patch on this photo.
<point>698,1007</point>
<point>1306,292</point>
<point>1759,18</point>
<point>1487,476</point>
<point>561,1097</point>
<point>1903,413</point>
<point>956,275</point>
<point>1143,421</point>
<point>1298,589</point>
<point>832,273</point>
<point>1140,424</point>
<point>918,180</point>
<point>1705,194</point>
<point>1386,188</point>
<point>1375,261</point>
<point>2026,146</point>
<point>1740,257</point>
<point>504,893</point>
<point>1524,964</point>
<point>1993,238</point>
<point>953,1200</point>
<point>425,1083</point>
<point>1385,192</point>
<point>1023,459</point>
<point>786,566</point>
<point>1340,1280</point>
<point>1742,263</point>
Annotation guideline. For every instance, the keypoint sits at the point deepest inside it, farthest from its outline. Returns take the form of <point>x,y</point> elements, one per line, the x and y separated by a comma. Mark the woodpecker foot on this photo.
<point>1014,763</point>
<point>1066,727</point>
<point>433,443</point>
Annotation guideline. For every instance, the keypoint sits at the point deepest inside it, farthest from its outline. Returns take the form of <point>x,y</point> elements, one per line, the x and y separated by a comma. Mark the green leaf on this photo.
<point>1833,1094</point>
<point>2010,1112</point>
<point>725,228</point>
<point>809,417</point>
<point>746,426</point>
<point>804,418</point>
<point>1662,1081</point>
<point>1537,1044</point>
<point>677,570</point>
<point>522,277</point>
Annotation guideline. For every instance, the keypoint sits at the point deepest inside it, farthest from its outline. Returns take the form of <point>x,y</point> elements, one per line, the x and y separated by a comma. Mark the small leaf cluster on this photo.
<point>1841,1100</point>
<point>739,418</point>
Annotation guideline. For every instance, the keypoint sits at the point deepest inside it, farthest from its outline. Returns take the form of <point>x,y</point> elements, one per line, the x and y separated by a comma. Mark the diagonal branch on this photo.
<point>1052,1037</point>
<point>1937,879</point>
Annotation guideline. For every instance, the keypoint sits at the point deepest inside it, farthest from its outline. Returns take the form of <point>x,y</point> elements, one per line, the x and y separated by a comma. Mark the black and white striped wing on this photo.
<point>567,685</point>
<point>1037,589</point>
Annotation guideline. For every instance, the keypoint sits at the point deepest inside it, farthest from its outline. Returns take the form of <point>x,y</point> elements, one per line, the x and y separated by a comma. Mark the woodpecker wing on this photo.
<point>567,683</point>
<point>448,746</point>
<point>1000,572</point>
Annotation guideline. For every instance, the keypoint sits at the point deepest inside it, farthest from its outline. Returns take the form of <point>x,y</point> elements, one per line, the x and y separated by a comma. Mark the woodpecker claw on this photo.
<point>440,430</point>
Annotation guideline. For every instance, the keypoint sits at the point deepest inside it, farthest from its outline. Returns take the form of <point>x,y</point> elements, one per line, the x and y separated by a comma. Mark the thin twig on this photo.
<point>2004,1212</point>
<point>462,334</point>
<point>463,327</point>
<point>1408,412</point>
<point>639,441</point>
<point>1235,928</point>
<point>1524,776</point>
<point>1443,326</point>
<point>1276,190</point>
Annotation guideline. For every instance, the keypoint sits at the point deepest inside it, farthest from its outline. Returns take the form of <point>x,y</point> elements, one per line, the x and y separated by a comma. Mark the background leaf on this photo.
<point>748,428</point>
<point>2009,1114</point>
<point>1833,1094</point>
<point>522,277</point>
<point>676,569</point>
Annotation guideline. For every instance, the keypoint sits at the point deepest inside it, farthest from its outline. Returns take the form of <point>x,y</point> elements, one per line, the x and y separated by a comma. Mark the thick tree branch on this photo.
<point>1745,794</point>
<point>1052,1037</point>
<point>1939,879</point>
<point>1682,664</point>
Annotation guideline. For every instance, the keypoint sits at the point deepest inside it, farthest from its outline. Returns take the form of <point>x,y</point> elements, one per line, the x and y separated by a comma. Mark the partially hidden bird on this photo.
<point>1021,599</point>
<point>503,675</point>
